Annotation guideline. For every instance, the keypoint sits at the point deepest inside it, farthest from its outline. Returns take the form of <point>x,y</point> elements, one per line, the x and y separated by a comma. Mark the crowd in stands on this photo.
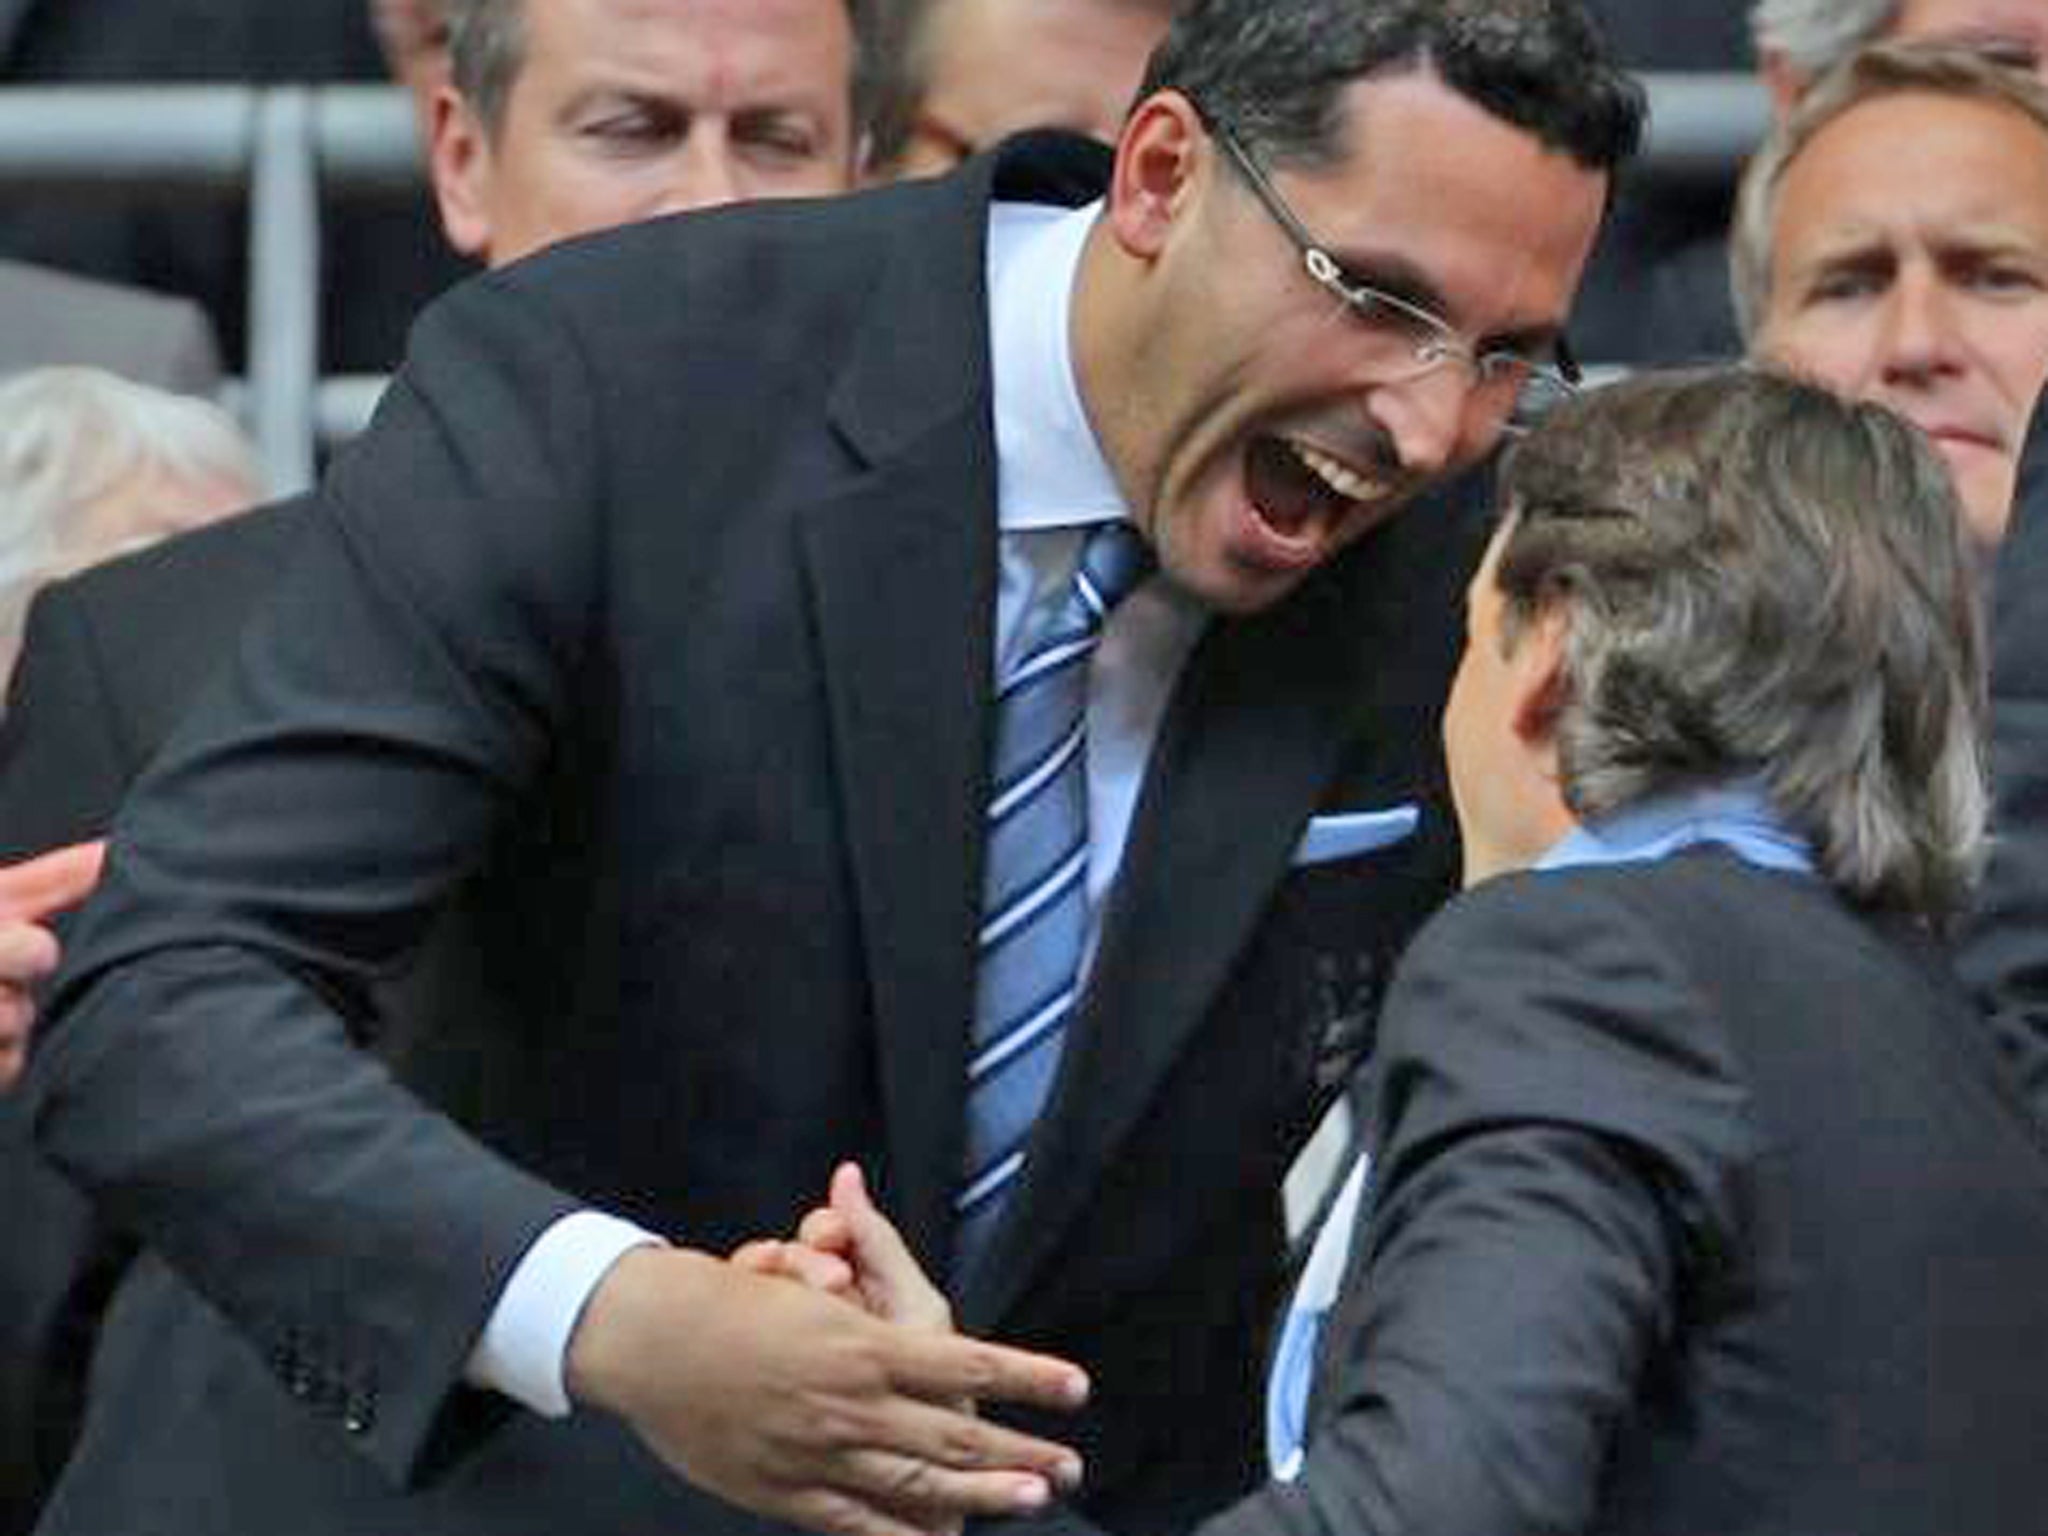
<point>751,901</point>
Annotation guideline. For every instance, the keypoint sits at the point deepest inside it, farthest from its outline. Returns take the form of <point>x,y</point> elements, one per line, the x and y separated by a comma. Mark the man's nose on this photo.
<point>704,174</point>
<point>1425,417</point>
<point>1917,330</point>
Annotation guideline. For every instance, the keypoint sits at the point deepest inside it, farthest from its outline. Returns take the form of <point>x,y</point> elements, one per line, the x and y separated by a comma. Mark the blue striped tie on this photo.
<point>1034,901</point>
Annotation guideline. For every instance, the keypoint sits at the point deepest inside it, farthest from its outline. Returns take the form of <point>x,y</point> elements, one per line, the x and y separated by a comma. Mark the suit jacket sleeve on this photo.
<point>392,702</point>
<point>1561,1140</point>
<point>2003,941</point>
<point>1561,1144</point>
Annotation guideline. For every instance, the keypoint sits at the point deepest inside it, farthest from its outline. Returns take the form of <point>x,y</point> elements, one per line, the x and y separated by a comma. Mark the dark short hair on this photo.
<point>487,49</point>
<point>1272,71</point>
<point>1760,579</point>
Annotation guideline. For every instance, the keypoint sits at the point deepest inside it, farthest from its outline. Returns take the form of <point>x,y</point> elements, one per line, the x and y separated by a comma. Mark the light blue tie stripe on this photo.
<point>1051,1016</point>
<point>1035,887</point>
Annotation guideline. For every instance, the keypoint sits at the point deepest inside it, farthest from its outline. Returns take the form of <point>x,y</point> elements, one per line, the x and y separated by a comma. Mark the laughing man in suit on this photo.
<point>687,557</point>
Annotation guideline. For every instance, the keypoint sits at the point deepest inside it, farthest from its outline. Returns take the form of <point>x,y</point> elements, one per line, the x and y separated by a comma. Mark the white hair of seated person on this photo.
<point>93,465</point>
<point>1812,36</point>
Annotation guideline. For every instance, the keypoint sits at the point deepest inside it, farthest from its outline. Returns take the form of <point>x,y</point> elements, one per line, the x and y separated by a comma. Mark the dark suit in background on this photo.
<point>110,660</point>
<point>740,691</point>
<point>2003,947</point>
<point>1656,291</point>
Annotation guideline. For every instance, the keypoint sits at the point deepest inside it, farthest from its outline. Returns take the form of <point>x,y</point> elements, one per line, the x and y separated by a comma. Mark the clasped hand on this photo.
<point>820,1380</point>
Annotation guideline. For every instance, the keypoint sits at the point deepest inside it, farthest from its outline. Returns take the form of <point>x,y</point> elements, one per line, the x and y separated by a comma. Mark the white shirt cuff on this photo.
<point>524,1347</point>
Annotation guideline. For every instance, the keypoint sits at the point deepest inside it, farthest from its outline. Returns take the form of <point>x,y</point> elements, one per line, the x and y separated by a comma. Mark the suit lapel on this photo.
<point>902,571</point>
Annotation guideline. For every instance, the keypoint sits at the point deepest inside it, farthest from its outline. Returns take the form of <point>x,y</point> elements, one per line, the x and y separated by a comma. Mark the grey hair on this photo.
<point>487,49</point>
<point>70,437</point>
<point>1762,580</point>
<point>1886,69</point>
<point>1274,71</point>
<point>1813,36</point>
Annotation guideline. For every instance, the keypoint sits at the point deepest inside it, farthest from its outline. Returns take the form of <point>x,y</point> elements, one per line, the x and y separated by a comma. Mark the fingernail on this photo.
<point>1032,1493</point>
<point>1066,1472</point>
<point>1077,1388</point>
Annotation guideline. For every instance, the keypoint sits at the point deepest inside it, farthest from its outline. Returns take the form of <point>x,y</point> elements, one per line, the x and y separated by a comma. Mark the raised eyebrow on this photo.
<point>1990,245</point>
<point>1536,342</point>
<point>1871,257</point>
<point>1392,275</point>
<point>1405,280</point>
<point>601,95</point>
<point>764,113</point>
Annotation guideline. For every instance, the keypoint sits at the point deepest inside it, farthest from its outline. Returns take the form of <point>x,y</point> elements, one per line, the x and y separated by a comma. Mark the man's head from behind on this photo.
<point>566,116</point>
<point>970,72</point>
<point>1718,576</point>
<point>1341,237</point>
<point>1798,41</point>
<point>1891,241</point>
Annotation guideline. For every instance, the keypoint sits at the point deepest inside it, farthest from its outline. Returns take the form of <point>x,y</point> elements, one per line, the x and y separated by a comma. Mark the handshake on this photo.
<point>819,1380</point>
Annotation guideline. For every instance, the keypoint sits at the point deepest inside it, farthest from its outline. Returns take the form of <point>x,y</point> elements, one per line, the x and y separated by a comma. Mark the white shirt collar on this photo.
<point>1050,471</point>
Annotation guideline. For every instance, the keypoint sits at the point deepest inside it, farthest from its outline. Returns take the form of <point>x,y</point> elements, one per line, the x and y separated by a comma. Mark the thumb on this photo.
<point>39,888</point>
<point>890,1277</point>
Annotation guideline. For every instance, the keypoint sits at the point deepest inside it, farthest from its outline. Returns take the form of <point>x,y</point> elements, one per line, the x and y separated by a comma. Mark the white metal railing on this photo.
<point>293,150</point>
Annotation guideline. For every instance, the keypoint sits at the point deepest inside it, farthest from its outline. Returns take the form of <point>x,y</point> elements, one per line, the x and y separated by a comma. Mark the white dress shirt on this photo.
<point>1052,485</point>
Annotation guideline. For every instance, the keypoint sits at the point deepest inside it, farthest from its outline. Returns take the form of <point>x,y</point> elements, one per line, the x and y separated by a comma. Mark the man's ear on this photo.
<point>1161,157</point>
<point>460,162</point>
<point>1540,686</point>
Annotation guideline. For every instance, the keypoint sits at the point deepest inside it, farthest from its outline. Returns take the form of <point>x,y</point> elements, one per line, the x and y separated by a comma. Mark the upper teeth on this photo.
<point>1335,473</point>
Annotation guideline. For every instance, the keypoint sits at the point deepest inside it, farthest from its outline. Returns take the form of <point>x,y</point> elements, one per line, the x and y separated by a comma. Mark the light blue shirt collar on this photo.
<point>1734,814</point>
<point>1050,471</point>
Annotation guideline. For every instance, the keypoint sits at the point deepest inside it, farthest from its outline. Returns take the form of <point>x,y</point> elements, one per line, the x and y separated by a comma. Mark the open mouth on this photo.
<point>1302,493</point>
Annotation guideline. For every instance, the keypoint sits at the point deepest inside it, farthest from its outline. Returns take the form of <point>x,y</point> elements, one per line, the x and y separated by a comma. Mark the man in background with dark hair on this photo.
<point>765,604</point>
